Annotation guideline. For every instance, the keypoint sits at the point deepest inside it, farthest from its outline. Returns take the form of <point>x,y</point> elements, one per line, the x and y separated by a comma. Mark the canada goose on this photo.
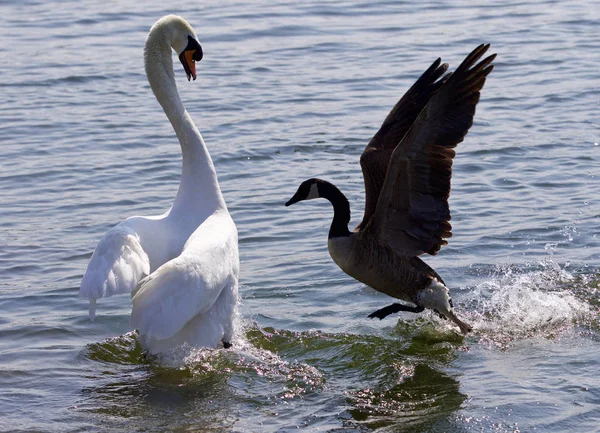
<point>407,168</point>
<point>181,268</point>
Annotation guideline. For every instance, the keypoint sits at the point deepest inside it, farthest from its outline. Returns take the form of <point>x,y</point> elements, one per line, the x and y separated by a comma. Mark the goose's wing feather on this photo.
<point>187,285</point>
<point>412,214</point>
<point>375,158</point>
<point>117,265</point>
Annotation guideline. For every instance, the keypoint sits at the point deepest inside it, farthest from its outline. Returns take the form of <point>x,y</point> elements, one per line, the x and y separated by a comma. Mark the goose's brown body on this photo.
<point>407,168</point>
<point>378,266</point>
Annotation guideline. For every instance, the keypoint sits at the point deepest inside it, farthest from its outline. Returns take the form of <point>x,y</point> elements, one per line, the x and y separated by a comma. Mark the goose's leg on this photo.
<point>394,308</point>
<point>440,314</point>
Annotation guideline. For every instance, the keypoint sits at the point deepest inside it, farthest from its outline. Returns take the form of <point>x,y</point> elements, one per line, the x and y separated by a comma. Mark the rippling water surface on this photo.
<point>290,90</point>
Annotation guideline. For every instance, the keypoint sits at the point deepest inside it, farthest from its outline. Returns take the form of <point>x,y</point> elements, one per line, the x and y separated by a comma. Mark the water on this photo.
<point>287,91</point>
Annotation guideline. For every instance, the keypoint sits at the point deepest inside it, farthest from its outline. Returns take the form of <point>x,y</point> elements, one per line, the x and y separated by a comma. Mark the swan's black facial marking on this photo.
<point>194,45</point>
<point>192,53</point>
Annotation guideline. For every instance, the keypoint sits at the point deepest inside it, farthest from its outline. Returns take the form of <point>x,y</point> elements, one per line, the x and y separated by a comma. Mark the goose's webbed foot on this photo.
<point>226,345</point>
<point>394,308</point>
<point>440,314</point>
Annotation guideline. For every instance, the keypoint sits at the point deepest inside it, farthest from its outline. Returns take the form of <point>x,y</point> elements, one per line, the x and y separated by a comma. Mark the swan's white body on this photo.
<point>182,267</point>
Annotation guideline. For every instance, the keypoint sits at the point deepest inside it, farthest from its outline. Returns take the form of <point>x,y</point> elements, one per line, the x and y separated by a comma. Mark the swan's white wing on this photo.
<point>188,285</point>
<point>117,265</point>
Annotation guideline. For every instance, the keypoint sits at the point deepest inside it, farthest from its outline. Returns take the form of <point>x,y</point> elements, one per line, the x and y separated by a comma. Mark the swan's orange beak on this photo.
<point>189,64</point>
<point>188,57</point>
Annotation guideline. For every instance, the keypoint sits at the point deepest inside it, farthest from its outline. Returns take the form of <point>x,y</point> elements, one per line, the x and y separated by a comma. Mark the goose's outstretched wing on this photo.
<point>375,158</point>
<point>412,214</point>
<point>116,266</point>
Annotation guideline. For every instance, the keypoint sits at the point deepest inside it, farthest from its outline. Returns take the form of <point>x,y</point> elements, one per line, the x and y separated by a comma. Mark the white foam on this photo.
<point>526,304</point>
<point>186,355</point>
<point>244,356</point>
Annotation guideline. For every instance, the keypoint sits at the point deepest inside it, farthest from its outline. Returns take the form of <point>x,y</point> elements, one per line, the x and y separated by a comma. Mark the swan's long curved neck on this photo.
<point>199,185</point>
<point>341,209</point>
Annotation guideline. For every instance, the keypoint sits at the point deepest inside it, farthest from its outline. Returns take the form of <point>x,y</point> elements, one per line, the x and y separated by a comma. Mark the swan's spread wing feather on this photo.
<point>116,266</point>
<point>186,286</point>
<point>412,214</point>
<point>376,156</point>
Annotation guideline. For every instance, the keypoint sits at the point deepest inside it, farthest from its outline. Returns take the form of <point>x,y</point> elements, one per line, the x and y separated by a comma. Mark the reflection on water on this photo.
<point>425,396</point>
<point>397,381</point>
<point>136,391</point>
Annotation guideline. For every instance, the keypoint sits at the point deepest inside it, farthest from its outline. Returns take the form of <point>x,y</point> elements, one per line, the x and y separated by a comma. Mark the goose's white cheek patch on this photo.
<point>313,193</point>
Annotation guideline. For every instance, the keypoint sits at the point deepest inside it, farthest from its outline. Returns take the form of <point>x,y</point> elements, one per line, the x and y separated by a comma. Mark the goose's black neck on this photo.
<point>341,209</point>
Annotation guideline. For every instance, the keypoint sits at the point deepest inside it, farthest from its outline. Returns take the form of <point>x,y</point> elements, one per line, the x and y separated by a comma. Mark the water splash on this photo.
<point>245,358</point>
<point>278,379</point>
<point>513,305</point>
<point>287,379</point>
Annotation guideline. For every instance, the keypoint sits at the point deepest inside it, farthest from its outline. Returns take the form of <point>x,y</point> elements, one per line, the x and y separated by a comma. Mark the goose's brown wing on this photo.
<point>412,214</point>
<point>375,158</point>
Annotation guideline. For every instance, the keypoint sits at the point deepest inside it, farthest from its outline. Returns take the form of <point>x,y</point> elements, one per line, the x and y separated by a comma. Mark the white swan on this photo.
<point>181,267</point>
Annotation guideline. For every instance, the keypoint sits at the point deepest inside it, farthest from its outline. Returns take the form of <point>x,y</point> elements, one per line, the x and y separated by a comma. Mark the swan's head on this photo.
<point>191,54</point>
<point>180,35</point>
<point>309,189</point>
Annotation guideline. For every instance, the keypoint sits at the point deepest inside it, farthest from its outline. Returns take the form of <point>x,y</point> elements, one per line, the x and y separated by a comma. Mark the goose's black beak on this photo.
<point>188,58</point>
<point>295,199</point>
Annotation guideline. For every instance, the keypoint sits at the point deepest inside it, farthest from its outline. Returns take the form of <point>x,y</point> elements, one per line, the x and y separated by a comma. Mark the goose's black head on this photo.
<point>307,190</point>
<point>315,188</point>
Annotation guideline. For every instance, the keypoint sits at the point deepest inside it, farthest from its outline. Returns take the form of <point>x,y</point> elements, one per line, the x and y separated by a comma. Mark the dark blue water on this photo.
<point>287,91</point>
